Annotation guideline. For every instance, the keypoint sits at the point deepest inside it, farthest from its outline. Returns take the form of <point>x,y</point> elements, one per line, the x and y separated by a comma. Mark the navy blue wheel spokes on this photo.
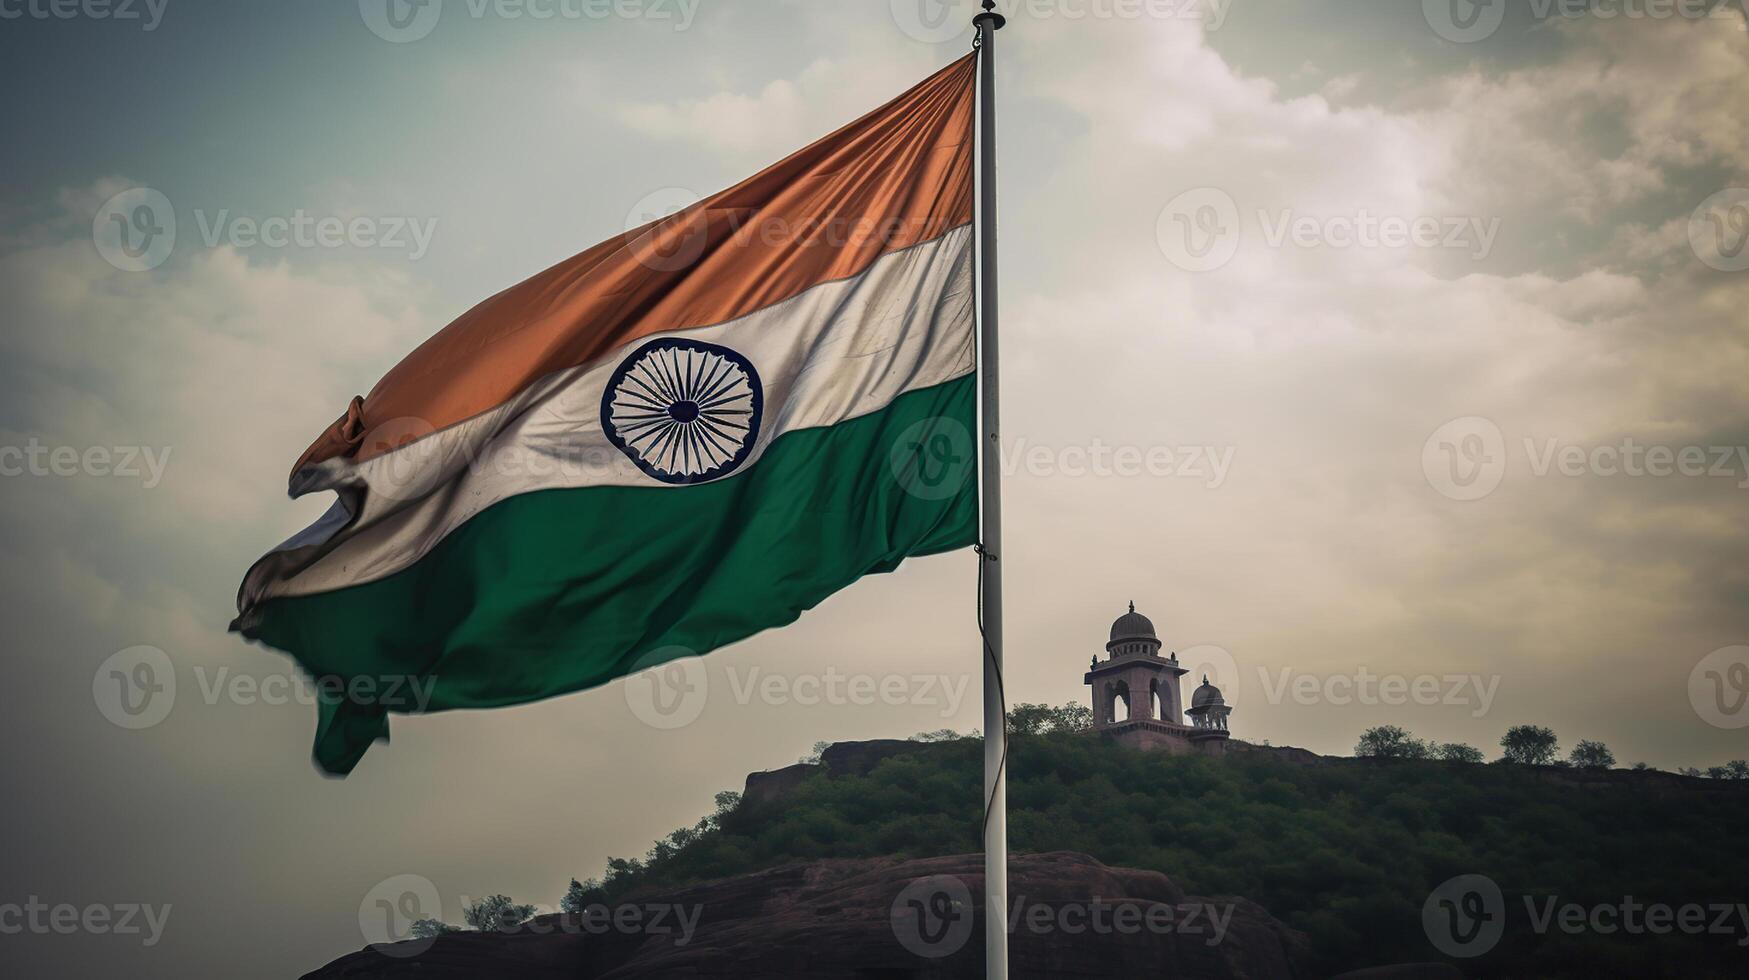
<point>684,411</point>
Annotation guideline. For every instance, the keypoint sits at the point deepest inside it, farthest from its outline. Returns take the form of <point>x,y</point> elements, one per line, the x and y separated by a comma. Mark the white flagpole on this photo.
<point>990,518</point>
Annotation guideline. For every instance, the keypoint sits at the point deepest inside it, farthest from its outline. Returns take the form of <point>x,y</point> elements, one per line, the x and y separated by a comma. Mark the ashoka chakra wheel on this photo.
<point>683,410</point>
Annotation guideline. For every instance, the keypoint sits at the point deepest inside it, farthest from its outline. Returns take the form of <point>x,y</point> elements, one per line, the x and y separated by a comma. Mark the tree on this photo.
<point>497,913</point>
<point>619,870</point>
<point>674,843</point>
<point>432,928</point>
<point>813,758</point>
<point>1737,769</point>
<point>580,896</point>
<point>1591,755</point>
<point>1530,745</point>
<point>1390,742</point>
<point>1042,719</point>
<point>1458,752</point>
<point>1074,717</point>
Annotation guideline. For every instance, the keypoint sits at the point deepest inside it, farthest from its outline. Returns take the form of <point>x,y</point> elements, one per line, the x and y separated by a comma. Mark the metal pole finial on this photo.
<point>996,20</point>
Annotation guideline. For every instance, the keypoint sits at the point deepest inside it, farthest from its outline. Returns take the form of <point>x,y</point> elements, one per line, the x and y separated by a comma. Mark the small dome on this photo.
<point>1206,694</point>
<point>1133,626</point>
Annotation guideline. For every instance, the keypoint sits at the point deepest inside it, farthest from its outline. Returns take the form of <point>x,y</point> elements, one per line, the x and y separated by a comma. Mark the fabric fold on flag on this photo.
<point>678,438</point>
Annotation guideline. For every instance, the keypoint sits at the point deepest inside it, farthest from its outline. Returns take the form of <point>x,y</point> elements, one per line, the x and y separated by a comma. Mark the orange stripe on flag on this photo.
<point>896,177</point>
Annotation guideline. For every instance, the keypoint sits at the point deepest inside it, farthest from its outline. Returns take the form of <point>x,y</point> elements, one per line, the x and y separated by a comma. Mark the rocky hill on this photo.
<point>885,918</point>
<point>814,870</point>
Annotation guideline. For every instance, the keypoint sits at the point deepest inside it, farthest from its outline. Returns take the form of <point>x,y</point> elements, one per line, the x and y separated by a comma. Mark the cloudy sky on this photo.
<point>1429,327</point>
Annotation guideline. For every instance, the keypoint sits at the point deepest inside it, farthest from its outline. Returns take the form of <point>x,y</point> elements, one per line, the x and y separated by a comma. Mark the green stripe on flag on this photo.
<point>560,590</point>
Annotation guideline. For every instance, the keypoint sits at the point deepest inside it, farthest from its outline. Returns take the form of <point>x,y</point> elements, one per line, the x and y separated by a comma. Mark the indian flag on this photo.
<point>678,438</point>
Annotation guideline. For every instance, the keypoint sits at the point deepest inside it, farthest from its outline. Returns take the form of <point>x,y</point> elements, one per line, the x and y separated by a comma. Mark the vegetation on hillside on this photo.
<point>1348,852</point>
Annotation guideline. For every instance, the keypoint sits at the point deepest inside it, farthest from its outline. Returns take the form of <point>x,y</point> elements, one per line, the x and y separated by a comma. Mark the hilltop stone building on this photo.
<point>1137,699</point>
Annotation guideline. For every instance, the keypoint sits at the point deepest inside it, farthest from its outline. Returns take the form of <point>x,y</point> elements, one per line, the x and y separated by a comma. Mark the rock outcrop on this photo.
<point>838,759</point>
<point>774,784</point>
<point>859,758</point>
<point>1071,917</point>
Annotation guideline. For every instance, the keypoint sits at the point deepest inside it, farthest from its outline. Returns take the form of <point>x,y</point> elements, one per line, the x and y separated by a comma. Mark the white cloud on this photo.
<point>1604,125</point>
<point>783,114</point>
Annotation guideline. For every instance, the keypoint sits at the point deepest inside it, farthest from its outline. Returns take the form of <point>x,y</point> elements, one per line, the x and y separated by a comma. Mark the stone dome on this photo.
<point>1133,626</point>
<point>1206,694</point>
